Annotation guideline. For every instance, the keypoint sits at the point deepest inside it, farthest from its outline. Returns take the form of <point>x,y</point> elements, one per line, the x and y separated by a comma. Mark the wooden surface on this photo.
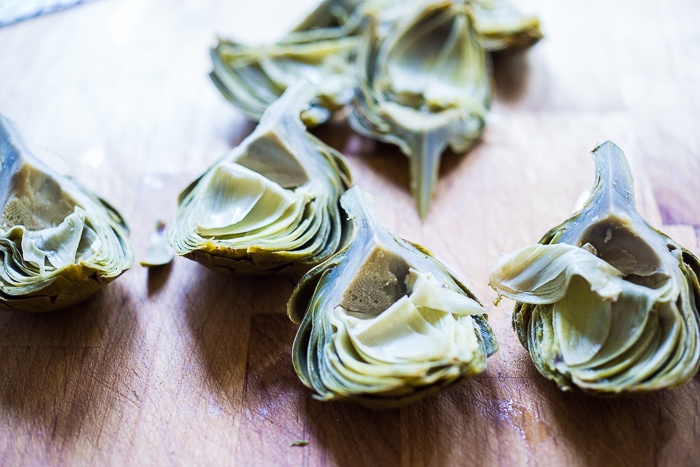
<point>181,366</point>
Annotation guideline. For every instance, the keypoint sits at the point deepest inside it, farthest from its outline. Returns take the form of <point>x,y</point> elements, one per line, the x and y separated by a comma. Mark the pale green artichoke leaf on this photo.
<point>424,85</point>
<point>541,274</point>
<point>238,200</point>
<point>159,251</point>
<point>428,292</point>
<point>253,77</point>
<point>269,205</point>
<point>606,303</point>
<point>503,27</point>
<point>59,242</point>
<point>382,322</point>
<point>58,245</point>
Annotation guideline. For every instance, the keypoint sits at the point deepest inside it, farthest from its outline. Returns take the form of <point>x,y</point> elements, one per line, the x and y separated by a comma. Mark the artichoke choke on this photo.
<point>606,304</point>
<point>59,243</point>
<point>383,323</point>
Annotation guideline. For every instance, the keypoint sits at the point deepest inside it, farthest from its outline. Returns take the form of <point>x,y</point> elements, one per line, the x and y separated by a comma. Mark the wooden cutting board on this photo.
<point>182,366</point>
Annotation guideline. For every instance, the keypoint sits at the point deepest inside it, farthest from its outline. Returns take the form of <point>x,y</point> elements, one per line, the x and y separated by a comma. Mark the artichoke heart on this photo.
<point>383,323</point>
<point>606,304</point>
<point>59,243</point>
<point>270,204</point>
<point>424,85</point>
<point>252,78</point>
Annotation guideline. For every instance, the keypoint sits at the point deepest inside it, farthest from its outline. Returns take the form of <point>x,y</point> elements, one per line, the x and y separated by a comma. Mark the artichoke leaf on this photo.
<point>502,26</point>
<point>606,304</point>
<point>269,205</point>
<point>383,323</point>
<point>59,242</point>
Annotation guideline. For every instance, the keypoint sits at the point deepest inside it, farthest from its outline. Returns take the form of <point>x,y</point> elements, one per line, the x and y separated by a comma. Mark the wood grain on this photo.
<point>181,366</point>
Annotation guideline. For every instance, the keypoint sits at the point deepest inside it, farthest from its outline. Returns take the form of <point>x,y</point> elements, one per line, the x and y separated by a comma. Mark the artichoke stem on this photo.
<point>614,183</point>
<point>426,153</point>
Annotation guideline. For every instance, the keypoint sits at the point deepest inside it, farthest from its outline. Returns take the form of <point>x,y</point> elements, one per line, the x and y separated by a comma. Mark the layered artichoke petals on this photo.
<point>252,78</point>
<point>382,322</point>
<point>271,204</point>
<point>606,304</point>
<point>237,200</point>
<point>423,84</point>
<point>59,243</point>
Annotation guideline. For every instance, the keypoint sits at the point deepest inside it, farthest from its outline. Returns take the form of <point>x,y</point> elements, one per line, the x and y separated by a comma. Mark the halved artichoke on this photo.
<point>502,26</point>
<point>424,85</point>
<point>271,203</point>
<point>383,323</point>
<point>606,303</point>
<point>252,78</point>
<point>59,243</point>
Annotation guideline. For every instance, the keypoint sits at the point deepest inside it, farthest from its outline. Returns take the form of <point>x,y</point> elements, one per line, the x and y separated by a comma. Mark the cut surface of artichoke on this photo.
<point>59,243</point>
<point>606,303</point>
<point>383,323</point>
<point>424,85</point>
<point>270,204</point>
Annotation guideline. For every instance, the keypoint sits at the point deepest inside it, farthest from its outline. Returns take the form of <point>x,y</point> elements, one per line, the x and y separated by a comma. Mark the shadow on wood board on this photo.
<point>64,372</point>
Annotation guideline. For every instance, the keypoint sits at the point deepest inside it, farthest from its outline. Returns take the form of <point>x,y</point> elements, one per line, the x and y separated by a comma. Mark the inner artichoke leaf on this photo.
<point>399,333</point>
<point>541,274</point>
<point>581,322</point>
<point>239,200</point>
<point>428,292</point>
<point>57,245</point>
<point>628,318</point>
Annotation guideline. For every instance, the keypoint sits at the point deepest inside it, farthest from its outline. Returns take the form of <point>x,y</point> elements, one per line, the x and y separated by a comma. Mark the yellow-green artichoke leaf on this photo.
<point>502,26</point>
<point>252,78</point>
<point>160,252</point>
<point>59,243</point>
<point>605,303</point>
<point>382,322</point>
<point>269,205</point>
<point>424,85</point>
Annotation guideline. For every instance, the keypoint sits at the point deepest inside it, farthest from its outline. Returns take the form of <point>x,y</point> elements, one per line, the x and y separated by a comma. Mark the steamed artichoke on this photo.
<point>59,243</point>
<point>271,203</point>
<point>319,49</point>
<point>254,77</point>
<point>606,303</point>
<point>384,323</point>
<point>424,85</point>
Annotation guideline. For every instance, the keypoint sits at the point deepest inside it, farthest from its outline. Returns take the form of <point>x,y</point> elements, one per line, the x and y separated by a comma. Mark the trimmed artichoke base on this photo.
<point>59,243</point>
<point>606,304</point>
<point>382,322</point>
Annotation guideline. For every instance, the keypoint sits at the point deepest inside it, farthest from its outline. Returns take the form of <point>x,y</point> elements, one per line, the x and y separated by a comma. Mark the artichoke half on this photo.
<point>271,203</point>
<point>252,78</point>
<point>424,85</point>
<point>383,323</point>
<point>59,243</point>
<point>605,303</point>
